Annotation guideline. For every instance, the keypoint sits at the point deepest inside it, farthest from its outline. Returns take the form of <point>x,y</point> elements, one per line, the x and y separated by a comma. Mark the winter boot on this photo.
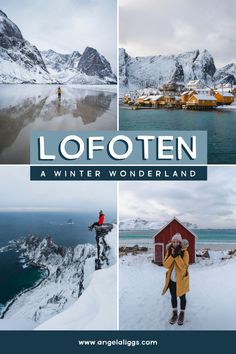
<point>181,318</point>
<point>174,317</point>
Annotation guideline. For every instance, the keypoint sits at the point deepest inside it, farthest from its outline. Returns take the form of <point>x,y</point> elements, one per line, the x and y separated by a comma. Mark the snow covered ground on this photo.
<point>97,307</point>
<point>211,302</point>
<point>230,107</point>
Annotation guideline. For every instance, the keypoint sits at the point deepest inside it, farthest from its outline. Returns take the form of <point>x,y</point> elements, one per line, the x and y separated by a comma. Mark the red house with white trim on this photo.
<point>163,237</point>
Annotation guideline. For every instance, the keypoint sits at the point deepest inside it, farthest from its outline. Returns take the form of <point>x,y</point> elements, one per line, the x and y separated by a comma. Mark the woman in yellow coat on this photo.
<point>177,276</point>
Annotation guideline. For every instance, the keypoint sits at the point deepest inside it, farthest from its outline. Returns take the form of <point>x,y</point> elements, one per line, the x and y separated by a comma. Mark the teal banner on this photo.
<point>122,147</point>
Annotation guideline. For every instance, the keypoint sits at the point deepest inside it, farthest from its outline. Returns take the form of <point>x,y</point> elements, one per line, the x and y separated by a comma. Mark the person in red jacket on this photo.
<point>100,221</point>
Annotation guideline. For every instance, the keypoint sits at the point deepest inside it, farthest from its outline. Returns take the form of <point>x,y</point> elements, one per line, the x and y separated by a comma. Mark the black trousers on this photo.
<point>94,224</point>
<point>172,287</point>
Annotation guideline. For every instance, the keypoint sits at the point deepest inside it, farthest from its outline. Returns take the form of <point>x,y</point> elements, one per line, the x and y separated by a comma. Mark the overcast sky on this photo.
<point>67,25</point>
<point>19,193</point>
<point>209,204</point>
<point>151,27</point>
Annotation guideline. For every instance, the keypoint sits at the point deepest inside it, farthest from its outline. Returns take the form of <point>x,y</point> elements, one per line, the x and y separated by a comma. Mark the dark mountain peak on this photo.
<point>204,64</point>
<point>18,52</point>
<point>205,51</point>
<point>76,53</point>
<point>89,50</point>
<point>2,13</point>
<point>93,64</point>
<point>8,28</point>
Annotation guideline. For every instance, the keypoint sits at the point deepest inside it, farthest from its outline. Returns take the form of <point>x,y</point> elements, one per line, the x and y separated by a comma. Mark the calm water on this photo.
<point>220,125</point>
<point>205,236</point>
<point>13,276</point>
<point>26,108</point>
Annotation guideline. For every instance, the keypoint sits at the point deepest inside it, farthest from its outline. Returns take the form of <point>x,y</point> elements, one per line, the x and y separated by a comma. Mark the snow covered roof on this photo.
<point>193,82</point>
<point>179,223</point>
<point>225,94</point>
<point>156,97</point>
<point>206,89</point>
<point>189,92</point>
<point>185,93</point>
<point>151,97</point>
<point>142,97</point>
<point>205,97</point>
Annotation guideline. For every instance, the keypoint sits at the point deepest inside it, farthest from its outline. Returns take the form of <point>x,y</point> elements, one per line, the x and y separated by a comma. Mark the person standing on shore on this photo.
<point>59,92</point>
<point>177,276</point>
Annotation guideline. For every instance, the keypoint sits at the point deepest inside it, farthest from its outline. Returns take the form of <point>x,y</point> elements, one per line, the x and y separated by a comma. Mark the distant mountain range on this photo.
<point>22,62</point>
<point>154,71</point>
<point>142,224</point>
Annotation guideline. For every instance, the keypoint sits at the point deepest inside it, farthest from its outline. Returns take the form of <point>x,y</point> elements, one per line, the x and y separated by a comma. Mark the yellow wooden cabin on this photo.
<point>185,96</point>
<point>141,100</point>
<point>224,98</point>
<point>201,101</point>
<point>127,99</point>
<point>172,100</point>
<point>147,101</point>
<point>157,100</point>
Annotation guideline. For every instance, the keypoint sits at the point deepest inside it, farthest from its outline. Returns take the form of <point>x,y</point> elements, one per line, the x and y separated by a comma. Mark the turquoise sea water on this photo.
<point>14,276</point>
<point>220,125</point>
<point>204,236</point>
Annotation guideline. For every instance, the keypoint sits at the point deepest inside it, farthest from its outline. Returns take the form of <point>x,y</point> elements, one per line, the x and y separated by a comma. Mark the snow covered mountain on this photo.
<point>57,61</point>
<point>20,61</point>
<point>154,71</point>
<point>227,74</point>
<point>142,224</point>
<point>88,68</point>
<point>139,224</point>
<point>70,271</point>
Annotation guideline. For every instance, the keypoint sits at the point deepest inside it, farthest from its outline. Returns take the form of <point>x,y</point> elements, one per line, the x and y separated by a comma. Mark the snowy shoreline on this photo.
<point>102,87</point>
<point>12,301</point>
<point>71,271</point>
<point>219,246</point>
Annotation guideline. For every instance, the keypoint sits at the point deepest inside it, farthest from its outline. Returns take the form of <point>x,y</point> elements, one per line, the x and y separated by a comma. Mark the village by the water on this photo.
<point>196,95</point>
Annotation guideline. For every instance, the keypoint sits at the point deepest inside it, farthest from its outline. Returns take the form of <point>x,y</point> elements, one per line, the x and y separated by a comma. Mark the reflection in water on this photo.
<point>90,107</point>
<point>14,119</point>
<point>24,108</point>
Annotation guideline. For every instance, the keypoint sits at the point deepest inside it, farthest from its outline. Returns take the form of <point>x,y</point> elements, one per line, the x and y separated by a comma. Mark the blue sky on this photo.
<point>67,25</point>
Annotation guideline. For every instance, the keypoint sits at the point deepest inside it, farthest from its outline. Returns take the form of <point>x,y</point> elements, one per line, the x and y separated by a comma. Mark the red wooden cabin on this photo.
<point>163,237</point>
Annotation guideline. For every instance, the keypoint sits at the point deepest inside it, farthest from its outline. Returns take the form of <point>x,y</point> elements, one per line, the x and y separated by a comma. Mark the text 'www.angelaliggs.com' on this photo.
<point>118,342</point>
